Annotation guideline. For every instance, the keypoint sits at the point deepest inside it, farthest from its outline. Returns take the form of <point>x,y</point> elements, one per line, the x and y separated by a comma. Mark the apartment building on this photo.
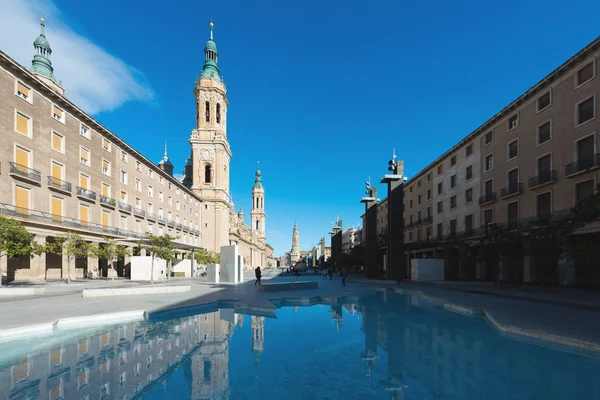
<point>63,171</point>
<point>536,158</point>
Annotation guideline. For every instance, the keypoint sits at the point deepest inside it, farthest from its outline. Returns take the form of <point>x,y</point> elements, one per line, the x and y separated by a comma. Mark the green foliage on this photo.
<point>160,246</point>
<point>205,257</point>
<point>15,240</point>
<point>70,245</point>
<point>111,250</point>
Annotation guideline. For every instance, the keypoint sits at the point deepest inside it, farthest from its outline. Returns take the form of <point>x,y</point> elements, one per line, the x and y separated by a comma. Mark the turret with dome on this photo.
<point>41,65</point>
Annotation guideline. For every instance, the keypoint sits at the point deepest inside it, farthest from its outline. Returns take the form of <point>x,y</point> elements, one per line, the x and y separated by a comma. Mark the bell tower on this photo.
<point>210,152</point>
<point>258,206</point>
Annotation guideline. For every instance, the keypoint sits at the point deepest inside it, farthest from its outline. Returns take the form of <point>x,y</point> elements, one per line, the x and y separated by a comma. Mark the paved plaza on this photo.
<point>564,316</point>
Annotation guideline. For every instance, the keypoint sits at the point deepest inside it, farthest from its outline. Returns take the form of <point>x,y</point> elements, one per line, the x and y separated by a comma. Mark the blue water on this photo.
<point>381,346</point>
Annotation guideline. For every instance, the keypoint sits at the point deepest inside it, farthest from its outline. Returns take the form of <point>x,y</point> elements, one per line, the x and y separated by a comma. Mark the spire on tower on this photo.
<point>41,63</point>
<point>210,68</point>
<point>258,179</point>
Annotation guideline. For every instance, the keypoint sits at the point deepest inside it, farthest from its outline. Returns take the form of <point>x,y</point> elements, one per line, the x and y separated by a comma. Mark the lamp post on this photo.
<point>396,168</point>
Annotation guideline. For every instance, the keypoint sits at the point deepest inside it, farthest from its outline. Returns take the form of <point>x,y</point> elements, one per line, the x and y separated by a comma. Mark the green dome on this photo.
<point>41,41</point>
<point>211,46</point>
<point>258,178</point>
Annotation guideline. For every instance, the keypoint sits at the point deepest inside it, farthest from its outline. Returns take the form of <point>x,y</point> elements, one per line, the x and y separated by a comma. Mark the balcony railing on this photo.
<point>428,219</point>
<point>410,225</point>
<point>151,217</point>
<point>419,222</point>
<point>61,220</point>
<point>179,226</point>
<point>171,223</point>
<point>511,189</point>
<point>86,193</point>
<point>139,212</point>
<point>487,198</point>
<point>124,207</point>
<point>59,184</point>
<point>107,201</point>
<point>25,172</point>
<point>582,165</point>
<point>162,220</point>
<point>543,178</point>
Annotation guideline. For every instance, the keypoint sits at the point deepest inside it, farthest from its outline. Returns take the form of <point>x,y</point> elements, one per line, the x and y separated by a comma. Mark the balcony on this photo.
<point>139,212</point>
<point>171,223</point>
<point>543,178</point>
<point>124,207</point>
<point>108,202</point>
<point>582,165</point>
<point>186,229</point>
<point>419,222</point>
<point>59,185</point>
<point>428,219</point>
<point>162,220</point>
<point>511,190</point>
<point>179,226</point>
<point>151,217</point>
<point>86,194</point>
<point>488,198</point>
<point>410,225</point>
<point>25,173</point>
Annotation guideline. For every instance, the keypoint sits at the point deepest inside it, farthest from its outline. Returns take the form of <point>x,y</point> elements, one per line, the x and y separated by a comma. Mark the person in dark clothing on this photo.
<point>344,276</point>
<point>258,275</point>
<point>330,274</point>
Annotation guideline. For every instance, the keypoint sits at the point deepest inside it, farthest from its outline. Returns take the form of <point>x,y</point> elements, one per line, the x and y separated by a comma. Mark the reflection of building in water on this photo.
<point>336,313</point>
<point>126,361</point>
<point>258,339</point>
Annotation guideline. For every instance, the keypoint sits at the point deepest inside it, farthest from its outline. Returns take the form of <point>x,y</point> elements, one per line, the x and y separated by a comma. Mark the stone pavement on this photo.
<point>579,327</point>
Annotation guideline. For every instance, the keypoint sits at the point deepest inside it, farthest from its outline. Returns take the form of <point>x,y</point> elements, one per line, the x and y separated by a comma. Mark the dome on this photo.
<point>189,162</point>
<point>41,41</point>
<point>211,46</point>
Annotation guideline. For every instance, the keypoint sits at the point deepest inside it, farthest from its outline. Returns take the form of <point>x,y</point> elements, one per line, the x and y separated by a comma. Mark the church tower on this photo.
<point>295,254</point>
<point>210,153</point>
<point>258,339</point>
<point>41,65</point>
<point>258,206</point>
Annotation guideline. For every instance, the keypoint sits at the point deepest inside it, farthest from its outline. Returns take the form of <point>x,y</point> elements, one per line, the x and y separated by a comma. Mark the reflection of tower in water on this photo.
<point>336,313</point>
<point>258,339</point>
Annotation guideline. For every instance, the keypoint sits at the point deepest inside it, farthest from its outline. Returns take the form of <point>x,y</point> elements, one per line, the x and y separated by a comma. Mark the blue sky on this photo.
<point>320,91</point>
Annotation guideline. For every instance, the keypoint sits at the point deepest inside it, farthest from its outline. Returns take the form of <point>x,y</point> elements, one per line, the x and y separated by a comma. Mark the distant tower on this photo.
<point>241,215</point>
<point>295,254</point>
<point>209,173</point>
<point>257,325</point>
<point>41,65</point>
<point>258,206</point>
<point>165,164</point>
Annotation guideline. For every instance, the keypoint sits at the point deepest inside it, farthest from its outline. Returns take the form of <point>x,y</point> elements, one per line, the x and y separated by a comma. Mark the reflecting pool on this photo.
<point>381,345</point>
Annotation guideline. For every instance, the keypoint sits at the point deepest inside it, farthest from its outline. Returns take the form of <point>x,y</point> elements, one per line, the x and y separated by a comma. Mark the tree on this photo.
<point>70,245</point>
<point>205,257</point>
<point>16,241</point>
<point>111,251</point>
<point>159,247</point>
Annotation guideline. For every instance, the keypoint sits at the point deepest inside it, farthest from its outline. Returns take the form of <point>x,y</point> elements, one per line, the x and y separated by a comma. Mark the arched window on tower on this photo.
<point>207,111</point>
<point>257,202</point>
<point>207,173</point>
<point>256,224</point>
<point>218,113</point>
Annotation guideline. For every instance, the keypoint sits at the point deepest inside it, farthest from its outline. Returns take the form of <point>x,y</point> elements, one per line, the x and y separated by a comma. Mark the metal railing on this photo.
<point>511,189</point>
<point>487,198</point>
<point>88,194</point>
<point>179,226</point>
<point>124,206</point>
<point>108,201</point>
<point>59,184</point>
<point>25,172</point>
<point>428,219</point>
<point>151,216</point>
<point>171,223</point>
<point>162,220</point>
<point>543,178</point>
<point>419,222</point>
<point>583,164</point>
<point>139,212</point>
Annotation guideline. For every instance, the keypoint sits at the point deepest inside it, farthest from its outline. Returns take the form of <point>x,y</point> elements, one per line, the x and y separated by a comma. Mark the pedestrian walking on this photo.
<point>324,273</point>
<point>344,276</point>
<point>258,275</point>
<point>330,274</point>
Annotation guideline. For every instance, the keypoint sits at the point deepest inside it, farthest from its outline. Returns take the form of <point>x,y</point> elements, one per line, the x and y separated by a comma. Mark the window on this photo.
<point>410,189</point>
<point>440,169</point>
<point>106,145</point>
<point>453,181</point>
<point>585,74</point>
<point>150,191</point>
<point>453,161</point>
<point>218,113</point>
<point>489,162</point>
<point>84,131</point>
<point>150,208</point>
<point>207,173</point>
<point>469,223</point>
<point>123,197</point>
<point>419,183</point>
<point>488,216</point>
<point>160,196</point>
<point>124,177</point>
<point>170,202</point>
<point>453,227</point>
<point>177,206</point>
<point>428,194</point>
<point>419,199</point>
<point>512,213</point>
<point>488,187</point>
<point>429,177</point>
<point>440,188</point>
<point>23,91</point>
<point>58,142</point>
<point>160,212</point>
<point>22,200</point>
<point>469,173</point>
<point>169,185</point>
<point>160,180</point>
<point>418,234</point>
<point>452,202</point>
<point>584,190</point>
<point>23,124</point>
<point>513,179</point>
<point>84,156</point>
<point>544,166</point>
<point>206,111</point>
<point>105,190</point>
<point>469,196</point>
<point>512,122</point>
<point>544,132</point>
<point>585,149</point>
<point>124,156</point>
<point>544,205</point>
<point>543,101</point>
<point>169,216</point>
<point>57,171</point>
<point>440,207</point>
<point>586,110</point>
<point>84,214</point>
<point>84,181</point>
<point>410,203</point>
<point>151,175</point>
<point>440,231</point>
<point>410,236</point>
<point>489,138</point>
<point>418,215</point>
<point>138,185</point>
<point>58,113</point>
<point>469,150</point>
<point>56,209</point>
<point>138,165</point>
<point>123,222</point>
<point>106,167</point>
<point>513,149</point>
<point>138,203</point>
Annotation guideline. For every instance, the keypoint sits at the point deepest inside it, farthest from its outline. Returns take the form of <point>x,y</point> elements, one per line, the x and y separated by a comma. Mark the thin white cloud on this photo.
<point>93,79</point>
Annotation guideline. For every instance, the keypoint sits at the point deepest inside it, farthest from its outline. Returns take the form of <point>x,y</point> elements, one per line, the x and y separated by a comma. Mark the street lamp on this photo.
<point>393,179</point>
